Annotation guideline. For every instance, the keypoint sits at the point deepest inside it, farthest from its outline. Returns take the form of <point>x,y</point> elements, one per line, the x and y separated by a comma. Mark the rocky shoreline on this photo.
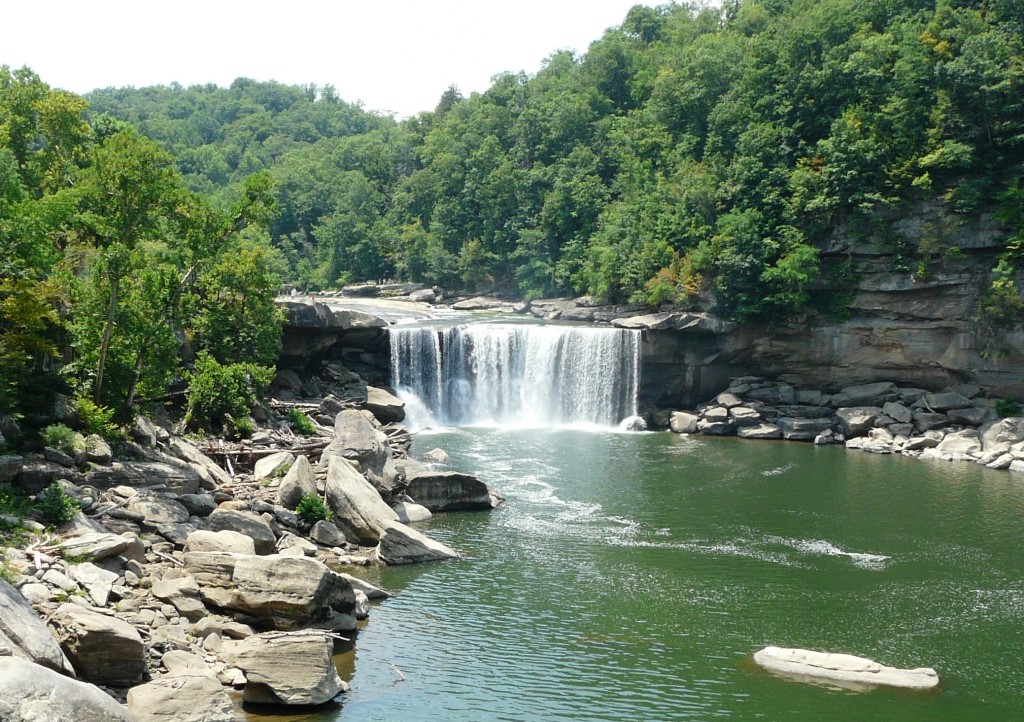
<point>183,589</point>
<point>881,418</point>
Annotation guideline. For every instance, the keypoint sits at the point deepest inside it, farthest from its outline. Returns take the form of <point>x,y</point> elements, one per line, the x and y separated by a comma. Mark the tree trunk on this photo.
<point>105,344</point>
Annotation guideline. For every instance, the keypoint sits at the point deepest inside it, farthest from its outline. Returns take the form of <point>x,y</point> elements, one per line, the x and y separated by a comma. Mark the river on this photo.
<point>630,577</point>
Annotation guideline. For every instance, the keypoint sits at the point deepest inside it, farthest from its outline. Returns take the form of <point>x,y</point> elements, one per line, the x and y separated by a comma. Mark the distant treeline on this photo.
<point>690,150</point>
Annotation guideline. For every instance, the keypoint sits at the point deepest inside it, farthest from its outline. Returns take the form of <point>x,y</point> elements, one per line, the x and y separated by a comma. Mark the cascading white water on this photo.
<point>518,374</point>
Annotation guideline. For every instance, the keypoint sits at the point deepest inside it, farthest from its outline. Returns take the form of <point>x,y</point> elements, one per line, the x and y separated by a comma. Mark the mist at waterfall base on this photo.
<point>516,375</point>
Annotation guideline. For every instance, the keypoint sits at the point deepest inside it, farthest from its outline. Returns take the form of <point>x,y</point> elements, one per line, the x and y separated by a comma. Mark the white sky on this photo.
<point>395,56</point>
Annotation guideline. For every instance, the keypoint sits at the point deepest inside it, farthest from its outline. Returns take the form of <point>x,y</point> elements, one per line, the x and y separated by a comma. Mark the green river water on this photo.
<point>631,576</point>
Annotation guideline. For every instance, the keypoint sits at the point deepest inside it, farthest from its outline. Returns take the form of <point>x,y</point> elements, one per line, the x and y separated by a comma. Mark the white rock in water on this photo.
<point>633,423</point>
<point>800,663</point>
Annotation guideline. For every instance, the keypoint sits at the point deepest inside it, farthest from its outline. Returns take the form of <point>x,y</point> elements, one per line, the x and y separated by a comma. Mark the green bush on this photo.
<point>60,437</point>
<point>96,419</point>
<point>300,423</point>
<point>55,506</point>
<point>219,393</point>
<point>312,509</point>
<point>1007,407</point>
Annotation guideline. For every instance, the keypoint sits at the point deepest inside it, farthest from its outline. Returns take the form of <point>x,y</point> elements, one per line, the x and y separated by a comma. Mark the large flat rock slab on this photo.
<point>799,663</point>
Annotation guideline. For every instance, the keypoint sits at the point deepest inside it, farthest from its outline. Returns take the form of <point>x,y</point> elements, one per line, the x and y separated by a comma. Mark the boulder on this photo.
<point>326,534</point>
<point>716,428</point>
<point>201,505</point>
<point>157,511</point>
<point>728,400</point>
<point>409,512</point>
<point>973,416</point>
<point>300,481</point>
<point>273,465</point>
<point>366,588</point>
<point>897,412</point>
<point>386,407</point>
<point>960,443</point>
<point>97,450</point>
<point>683,423</point>
<point>56,456</point>
<point>927,421</point>
<point>245,522</point>
<point>744,416</point>
<point>359,510</point>
<point>874,394</point>
<point>1009,430</point>
<point>759,431</point>
<point>104,650</point>
<point>947,401</point>
<point>23,634</point>
<point>716,414</point>
<point>220,541</point>
<point>281,592</point>
<point>95,581</point>
<point>187,452</point>
<point>294,545</point>
<point>400,544</point>
<point>292,668</point>
<point>435,456</point>
<point>803,663</point>
<point>183,594</point>
<point>856,421</point>
<point>355,439</point>
<point>797,429</point>
<point>178,477</point>
<point>37,474</point>
<point>94,546</point>
<point>31,693</point>
<point>450,491</point>
<point>10,467</point>
<point>191,696</point>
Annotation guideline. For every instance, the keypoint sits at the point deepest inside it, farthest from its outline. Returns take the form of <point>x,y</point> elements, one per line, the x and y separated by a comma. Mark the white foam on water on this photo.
<point>821,547</point>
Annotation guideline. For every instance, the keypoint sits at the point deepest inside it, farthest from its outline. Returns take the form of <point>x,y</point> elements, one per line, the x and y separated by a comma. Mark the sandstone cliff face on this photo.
<point>914,329</point>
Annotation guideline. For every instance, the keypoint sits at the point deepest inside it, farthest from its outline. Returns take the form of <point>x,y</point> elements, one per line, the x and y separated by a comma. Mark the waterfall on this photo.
<point>518,374</point>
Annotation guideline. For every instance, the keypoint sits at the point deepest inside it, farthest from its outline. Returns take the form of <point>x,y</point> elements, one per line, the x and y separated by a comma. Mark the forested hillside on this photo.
<point>692,156</point>
<point>115,277</point>
<point>688,151</point>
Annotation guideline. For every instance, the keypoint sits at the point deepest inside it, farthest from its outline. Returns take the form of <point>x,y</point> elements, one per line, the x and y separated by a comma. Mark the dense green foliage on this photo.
<point>114,273</point>
<point>690,151</point>
<point>55,506</point>
<point>300,423</point>
<point>222,394</point>
<point>311,509</point>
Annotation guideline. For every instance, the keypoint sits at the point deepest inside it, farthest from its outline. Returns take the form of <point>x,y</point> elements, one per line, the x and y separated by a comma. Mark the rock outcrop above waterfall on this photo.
<point>804,664</point>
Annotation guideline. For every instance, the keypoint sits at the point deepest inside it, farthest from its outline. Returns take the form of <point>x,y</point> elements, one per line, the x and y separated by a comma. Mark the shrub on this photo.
<point>312,509</point>
<point>1007,407</point>
<point>60,437</point>
<point>219,393</point>
<point>301,423</point>
<point>96,419</point>
<point>55,506</point>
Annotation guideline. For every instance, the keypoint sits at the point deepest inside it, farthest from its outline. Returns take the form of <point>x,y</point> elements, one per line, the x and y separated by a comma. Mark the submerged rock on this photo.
<point>799,663</point>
